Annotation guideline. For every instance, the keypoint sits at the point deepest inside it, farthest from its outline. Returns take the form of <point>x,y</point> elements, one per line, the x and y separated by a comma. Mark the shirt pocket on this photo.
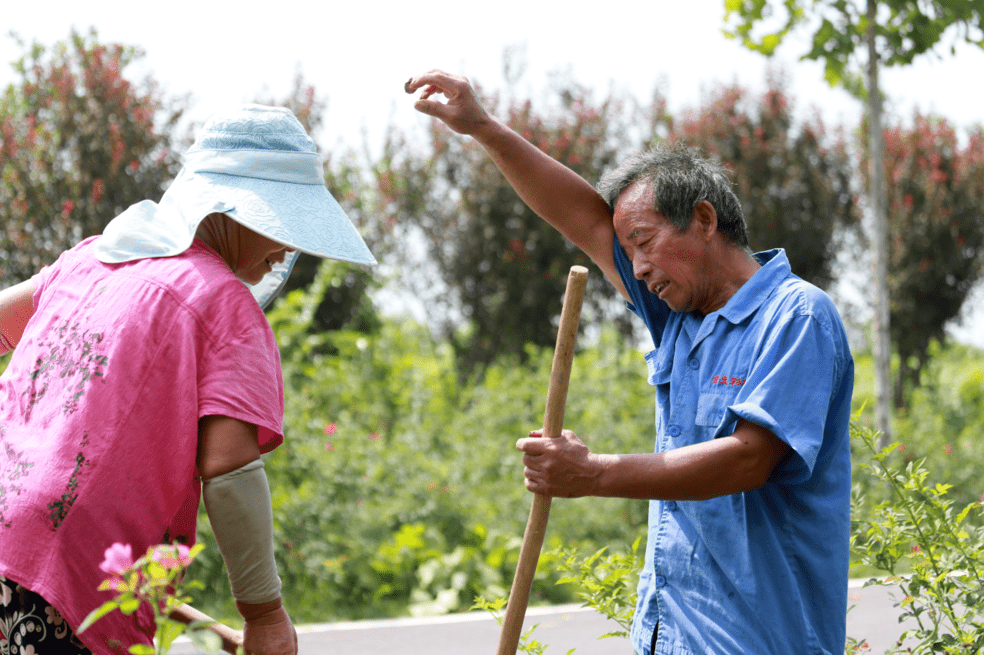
<point>659,366</point>
<point>711,408</point>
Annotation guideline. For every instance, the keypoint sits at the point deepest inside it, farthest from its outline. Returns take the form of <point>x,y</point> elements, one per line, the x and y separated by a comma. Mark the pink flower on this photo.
<point>172,557</point>
<point>331,428</point>
<point>119,557</point>
<point>184,554</point>
<point>329,446</point>
<point>98,188</point>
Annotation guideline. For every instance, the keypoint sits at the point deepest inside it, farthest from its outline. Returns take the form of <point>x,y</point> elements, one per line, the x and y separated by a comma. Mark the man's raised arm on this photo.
<point>556,193</point>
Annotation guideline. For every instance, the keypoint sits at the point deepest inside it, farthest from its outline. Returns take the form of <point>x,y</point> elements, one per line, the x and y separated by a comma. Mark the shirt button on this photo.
<point>693,364</point>
<point>671,505</point>
<point>660,581</point>
<point>673,431</point>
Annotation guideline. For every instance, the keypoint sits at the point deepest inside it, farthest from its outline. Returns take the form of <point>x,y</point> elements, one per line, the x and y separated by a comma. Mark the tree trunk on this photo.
<point>883,347</point>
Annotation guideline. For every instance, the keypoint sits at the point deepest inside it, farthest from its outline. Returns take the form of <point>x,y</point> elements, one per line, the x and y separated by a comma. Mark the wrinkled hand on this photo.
<point>268,629</point>
<point>560,466</point>
<point>462,112</point>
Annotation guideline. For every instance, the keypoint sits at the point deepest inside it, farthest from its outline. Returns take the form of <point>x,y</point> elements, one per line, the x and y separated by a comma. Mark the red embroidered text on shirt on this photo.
<point>728,381</point>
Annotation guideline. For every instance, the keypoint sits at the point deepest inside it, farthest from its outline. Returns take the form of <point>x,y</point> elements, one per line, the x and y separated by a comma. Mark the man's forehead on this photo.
<point>635,212</point>
<point>635,192</point>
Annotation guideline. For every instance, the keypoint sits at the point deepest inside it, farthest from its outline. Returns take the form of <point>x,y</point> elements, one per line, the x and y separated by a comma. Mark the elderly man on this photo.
<point>750,479</point>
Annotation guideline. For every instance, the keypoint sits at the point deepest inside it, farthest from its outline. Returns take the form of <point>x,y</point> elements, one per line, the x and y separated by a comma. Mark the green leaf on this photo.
<point>97,614</point>
<point>142,649</point>
<point>129,605</point>
<point>157,573</point>
<point>770,42</point>
<point>206,640</point>
<point>167,631</point>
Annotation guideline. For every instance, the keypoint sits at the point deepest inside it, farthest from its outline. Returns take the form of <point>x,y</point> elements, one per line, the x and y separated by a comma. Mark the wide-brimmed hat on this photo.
<point>257,165</point>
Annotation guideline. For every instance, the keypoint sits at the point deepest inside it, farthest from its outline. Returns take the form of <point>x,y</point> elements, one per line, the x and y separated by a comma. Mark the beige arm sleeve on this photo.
<point>238,506</point>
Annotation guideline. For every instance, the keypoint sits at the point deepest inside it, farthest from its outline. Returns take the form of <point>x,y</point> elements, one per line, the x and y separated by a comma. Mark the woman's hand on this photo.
<point>268,629</point>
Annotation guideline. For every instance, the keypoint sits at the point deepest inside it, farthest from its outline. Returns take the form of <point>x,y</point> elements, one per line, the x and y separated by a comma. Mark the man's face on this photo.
<point>670,262</point>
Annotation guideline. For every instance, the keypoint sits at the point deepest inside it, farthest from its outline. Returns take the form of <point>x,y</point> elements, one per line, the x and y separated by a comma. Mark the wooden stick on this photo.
<point>553,423</point>
<point>231,639</point>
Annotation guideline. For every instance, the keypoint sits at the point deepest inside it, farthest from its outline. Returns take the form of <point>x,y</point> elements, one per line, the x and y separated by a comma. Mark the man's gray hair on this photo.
<point>679,178</point>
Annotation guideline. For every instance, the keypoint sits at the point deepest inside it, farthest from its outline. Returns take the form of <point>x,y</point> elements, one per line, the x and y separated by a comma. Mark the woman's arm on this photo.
<point>237,499</point>
<point>16,309</point>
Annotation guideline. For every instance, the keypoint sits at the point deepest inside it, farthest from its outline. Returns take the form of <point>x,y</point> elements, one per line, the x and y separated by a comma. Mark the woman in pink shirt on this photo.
<point>145,376</point>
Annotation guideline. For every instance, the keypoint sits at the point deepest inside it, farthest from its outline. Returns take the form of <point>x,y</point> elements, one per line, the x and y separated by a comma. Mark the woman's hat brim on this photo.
<point>304,217</point>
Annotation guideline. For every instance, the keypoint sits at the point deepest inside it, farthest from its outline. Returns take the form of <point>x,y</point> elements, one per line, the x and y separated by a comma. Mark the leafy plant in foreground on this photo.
<point>606,583</point>
<point>526,642</point>
<point>154,579</point>
<point>917,529</point>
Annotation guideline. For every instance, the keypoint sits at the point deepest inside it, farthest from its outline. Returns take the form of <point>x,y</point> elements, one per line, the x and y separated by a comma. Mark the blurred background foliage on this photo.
<point>398,490</point>
<point>81,142</point>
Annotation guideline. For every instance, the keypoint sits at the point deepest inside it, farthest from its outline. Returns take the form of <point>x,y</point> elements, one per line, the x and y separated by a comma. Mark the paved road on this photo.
<point>561,628</point>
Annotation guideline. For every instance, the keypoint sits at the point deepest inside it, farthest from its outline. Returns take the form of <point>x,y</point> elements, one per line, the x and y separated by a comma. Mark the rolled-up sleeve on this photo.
<point>789,391</point>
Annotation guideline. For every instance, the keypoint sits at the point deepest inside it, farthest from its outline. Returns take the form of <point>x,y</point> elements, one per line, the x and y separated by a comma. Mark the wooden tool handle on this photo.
<point>231,639</point>
<point>553,423</point>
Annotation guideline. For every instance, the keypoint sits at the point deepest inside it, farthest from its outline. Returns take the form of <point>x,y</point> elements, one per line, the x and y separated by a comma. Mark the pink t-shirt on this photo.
<point>99,412</point>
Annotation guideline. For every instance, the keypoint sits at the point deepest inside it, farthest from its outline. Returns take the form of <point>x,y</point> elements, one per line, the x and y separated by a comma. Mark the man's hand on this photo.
<point>462,112</point>
<point>556,193</point>
<point>561,466</point>
<point>268,629</point>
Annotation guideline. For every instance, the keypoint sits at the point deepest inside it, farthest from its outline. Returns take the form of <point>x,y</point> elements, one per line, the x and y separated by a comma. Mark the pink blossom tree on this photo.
<point>81,141</point>
<point>793,177</point>
<point>935,215</point>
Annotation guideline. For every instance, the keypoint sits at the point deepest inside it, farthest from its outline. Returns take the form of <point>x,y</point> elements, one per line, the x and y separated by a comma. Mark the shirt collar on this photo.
<point>775,269</point>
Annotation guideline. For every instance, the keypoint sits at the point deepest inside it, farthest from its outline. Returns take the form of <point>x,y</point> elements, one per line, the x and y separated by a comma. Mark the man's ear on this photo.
<point>706,219</point>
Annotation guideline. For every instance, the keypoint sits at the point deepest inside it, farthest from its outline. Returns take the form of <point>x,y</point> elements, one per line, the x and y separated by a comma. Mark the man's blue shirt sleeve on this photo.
<point>646,305</point>
<point>790,390</point>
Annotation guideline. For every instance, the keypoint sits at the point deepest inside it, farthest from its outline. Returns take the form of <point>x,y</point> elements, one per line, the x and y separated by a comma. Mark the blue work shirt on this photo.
<point>762,571</point>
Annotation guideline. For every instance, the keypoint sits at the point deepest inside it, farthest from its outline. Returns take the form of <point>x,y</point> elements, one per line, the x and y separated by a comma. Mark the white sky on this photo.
<point>359,54</point>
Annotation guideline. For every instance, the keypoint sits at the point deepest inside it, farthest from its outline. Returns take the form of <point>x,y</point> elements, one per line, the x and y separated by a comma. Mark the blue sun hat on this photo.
<point>258,166</point>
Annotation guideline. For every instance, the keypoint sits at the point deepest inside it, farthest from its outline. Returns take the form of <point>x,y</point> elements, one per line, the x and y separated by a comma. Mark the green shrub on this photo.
<point>940,425</point>
<point>929,547</point>
<point>399,491</point>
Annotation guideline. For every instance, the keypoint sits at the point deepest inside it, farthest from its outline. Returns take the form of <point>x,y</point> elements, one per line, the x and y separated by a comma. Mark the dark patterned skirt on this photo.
<point>29,625</point>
